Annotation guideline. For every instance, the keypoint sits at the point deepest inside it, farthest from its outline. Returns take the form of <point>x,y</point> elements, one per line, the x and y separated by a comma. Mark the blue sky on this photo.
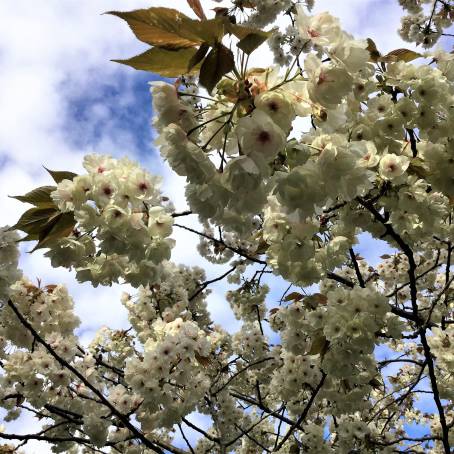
<point>62,98</point>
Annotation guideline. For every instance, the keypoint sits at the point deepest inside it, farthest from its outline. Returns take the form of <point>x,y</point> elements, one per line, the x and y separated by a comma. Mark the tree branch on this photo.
<point>92,388</point>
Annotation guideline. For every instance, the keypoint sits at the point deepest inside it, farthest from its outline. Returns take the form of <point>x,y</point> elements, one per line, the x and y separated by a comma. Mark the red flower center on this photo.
<point>264,137</point>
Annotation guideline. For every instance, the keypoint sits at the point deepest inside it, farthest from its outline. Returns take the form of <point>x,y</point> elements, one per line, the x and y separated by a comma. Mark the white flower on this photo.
<point>393,166</point>
<point>328,83</point>
<point>141,185</point>
<point>9,256</point>
<point>277,105</point>
<point>104,189</point>
<point>98,163</point>
<point>322,29</point>
<point>168,108</point>
<point>241,174</point>
<point>259,136</point>
<point>63,196</point>
<point>367,152</point>
<point>352,53</point>
<point>159,222</point>
<point>185,158</point>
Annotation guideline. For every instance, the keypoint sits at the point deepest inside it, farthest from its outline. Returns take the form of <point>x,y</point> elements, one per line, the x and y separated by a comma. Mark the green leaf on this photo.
<point>39,197</point>
<point>169,63</point>
<point>170,29</point>
<point>198,56</point>
<point>218,62</point>
<point>35,219</point>
<point>60,175</point>
<point>61,227</point>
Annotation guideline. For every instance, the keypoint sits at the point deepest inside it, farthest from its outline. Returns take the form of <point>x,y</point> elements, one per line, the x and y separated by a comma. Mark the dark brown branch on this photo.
<point>400,287</point>
<point>183,213</point>
<point>414,303</point>
<point>359,276</point>
<point>230,248</point>
<point>303,414</point>
<point>412,136</point>
<point>204,285</point>
<point>255,363</point>
<point>87,383</point>
<point>264,408</point>
<point>200,431</point>
<point>340,279</point>
<point>49,439</point>
<point>246,433</point>
<point>185,439</point>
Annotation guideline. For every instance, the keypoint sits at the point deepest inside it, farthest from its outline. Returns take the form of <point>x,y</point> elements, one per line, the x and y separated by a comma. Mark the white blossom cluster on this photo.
<point>122,225</point>
<point>426,20</point>
<point>171,374</point>
<point>9,258</point>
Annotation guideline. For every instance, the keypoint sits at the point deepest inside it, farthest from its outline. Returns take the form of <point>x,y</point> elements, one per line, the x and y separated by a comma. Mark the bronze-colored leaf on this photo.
<point>375,383</point>
<point>217,63</point>
<point>315,300</point>
<point>62,227</point>
<point>405,55</point>
<point>197,8</point>
<point>29,237</point>
<point>203,360</point>
<point>198,56</point>
<point>171,29</point>
<point>60,175</point>
<point>38,197</point>
<point>163,27</point>
<point>319,345</point>
<point>418,167</point>
<point>373,51</point>
<point>221,12</point>
<point>50,288</point>
<point>242,31</point>
<point>250,42</point>
<point>294,296</point>
<point>168,63</point>
<point>263,245</point>
<point>34,220</point>
<point>346,385</point>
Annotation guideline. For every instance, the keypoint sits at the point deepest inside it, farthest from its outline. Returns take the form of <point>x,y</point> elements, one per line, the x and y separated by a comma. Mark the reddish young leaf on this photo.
<point>197,8</point>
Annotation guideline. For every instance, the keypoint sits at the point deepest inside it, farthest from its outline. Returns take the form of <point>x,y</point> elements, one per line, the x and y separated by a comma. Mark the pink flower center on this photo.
<point>313,33</point>
<point>264,137</point>
<point>322,78</point>
<point>273,106</point>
